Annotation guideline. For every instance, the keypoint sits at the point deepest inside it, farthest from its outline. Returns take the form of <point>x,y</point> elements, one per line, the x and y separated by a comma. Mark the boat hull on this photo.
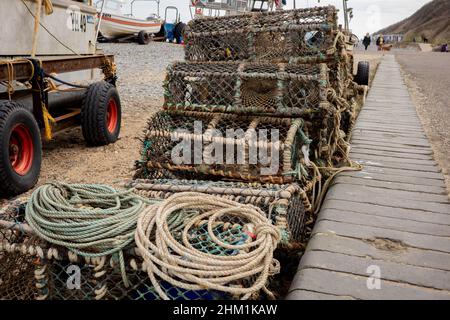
<point>69,30</point>
<point>113,25</point>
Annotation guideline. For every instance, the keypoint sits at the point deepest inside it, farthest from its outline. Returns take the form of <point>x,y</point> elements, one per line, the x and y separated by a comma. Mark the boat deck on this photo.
<point>389,222</point>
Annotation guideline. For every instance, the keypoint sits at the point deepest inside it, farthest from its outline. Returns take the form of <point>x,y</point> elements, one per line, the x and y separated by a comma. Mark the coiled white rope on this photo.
<point>182,265</point>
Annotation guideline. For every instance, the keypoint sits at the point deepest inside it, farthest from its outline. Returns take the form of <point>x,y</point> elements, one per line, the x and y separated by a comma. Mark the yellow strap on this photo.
<point>48,121</point>
<point>228,52</point>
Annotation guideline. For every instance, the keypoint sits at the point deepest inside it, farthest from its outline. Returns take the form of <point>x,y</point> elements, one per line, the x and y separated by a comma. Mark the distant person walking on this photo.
<point>380,41</point>
<point>366,41</point>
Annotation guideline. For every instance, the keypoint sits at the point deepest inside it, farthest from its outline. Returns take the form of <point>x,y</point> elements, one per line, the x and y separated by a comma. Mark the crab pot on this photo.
<point>101,279</point>
<point>32,268</point>
<point>247,88</point>
<point>271,36</point>
<point>193,138</point>
<point>223,146</point>
<point>286,205</point>
<point>17,267</point>
<point>57,276</point>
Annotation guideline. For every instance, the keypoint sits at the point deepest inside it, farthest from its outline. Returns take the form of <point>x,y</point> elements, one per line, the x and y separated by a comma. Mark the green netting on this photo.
<point>286,205</point>
<point>246,88</point>
<point>213,146</point>
<point>273,36</point>
<point>32,269</point>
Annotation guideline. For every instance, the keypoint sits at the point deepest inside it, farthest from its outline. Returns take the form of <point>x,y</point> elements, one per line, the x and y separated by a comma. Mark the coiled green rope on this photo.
<point>90,220</point>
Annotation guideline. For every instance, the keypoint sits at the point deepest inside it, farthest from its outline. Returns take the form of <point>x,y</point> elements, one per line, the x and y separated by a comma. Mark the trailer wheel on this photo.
<point>20,149</point>
<point>143,37</point>
<point>101,114</point>
<point>101,38</point>
<point>362,75</point>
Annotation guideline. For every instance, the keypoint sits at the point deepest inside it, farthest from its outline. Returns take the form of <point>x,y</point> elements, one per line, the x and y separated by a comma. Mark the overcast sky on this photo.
<point>369,15</point>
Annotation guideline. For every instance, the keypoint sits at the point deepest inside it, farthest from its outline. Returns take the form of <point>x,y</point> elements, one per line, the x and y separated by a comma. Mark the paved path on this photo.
<point>393,217</point>
<point>425,47</point>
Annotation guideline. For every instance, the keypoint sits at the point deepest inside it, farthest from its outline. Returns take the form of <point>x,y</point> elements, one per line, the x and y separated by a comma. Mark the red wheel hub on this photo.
<point>112,116</point>
<point>21,149</point>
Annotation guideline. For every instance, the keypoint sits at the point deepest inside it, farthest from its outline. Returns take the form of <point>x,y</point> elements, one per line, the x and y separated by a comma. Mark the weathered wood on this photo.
<point>392,198</point>
<point>387,183</point>
<point>398,224</point>
<point>393,214</point>
<point>380,249</point>
<point>386,211</point>
<point>350,285</point>
<point>392,271</point>
<point>409,239</point>
<point>23,69</point>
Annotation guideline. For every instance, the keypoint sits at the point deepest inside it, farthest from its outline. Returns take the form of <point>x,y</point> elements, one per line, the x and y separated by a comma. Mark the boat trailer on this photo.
<point>33,108</point>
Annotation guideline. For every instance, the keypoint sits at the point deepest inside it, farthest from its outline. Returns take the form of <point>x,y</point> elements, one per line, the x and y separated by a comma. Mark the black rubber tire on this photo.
<point>363,73</point>
<point>179,31</point>
<point>143,38</point>
<point>94,113</point>
<point>11,183</point>
<point>101,38</point>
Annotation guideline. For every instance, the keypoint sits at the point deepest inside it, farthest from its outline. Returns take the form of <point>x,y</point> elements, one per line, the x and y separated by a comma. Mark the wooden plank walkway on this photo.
<point>390,221</point>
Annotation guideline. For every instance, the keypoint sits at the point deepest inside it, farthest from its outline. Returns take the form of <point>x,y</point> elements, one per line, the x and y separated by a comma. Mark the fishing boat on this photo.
<point>66,27</point>
<point>114,24</point>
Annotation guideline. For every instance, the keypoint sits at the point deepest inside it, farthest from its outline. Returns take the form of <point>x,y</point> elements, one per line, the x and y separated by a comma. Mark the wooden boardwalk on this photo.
<point>383,232</point>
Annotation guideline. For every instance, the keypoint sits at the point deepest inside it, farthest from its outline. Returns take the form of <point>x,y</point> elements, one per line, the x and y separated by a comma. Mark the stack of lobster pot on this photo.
<point>262,101</point>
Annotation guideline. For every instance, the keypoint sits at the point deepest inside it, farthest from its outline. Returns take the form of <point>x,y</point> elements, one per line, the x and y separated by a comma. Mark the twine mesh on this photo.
<point>275,36</point>
<point>16,267</point>
<point>246,88</point>
<point>250,152</point>
<point>286,205</point>
<point>39,270</point>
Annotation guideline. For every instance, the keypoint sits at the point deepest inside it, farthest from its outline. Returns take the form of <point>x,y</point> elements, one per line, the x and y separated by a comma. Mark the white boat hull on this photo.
<point>113,25</point>
<point>70,28</point>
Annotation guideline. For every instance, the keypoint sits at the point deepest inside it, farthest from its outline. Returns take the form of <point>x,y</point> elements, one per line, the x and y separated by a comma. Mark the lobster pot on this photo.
<point>286,205</point>
<point>271,36</point>
<point>247,88</point>
<point>57,276</point>
<point>345,90</point>
<point>17,267</point>
<point>192,144</point>
<point>32,268</point>
<point>101,279</point>
<point>17,280</point>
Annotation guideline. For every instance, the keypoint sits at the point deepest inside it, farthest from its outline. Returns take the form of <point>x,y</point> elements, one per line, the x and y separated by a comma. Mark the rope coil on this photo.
<point>180,263</point>
<point>90,220</point>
